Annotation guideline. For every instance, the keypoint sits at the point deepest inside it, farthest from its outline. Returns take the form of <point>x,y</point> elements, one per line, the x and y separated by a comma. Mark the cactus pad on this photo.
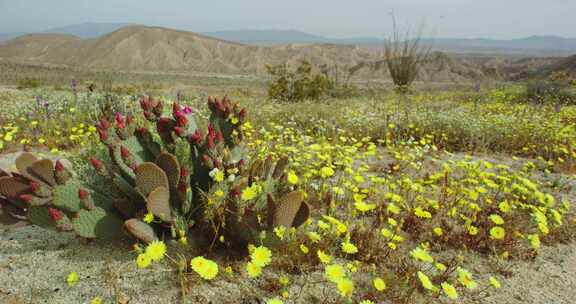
<point>97,223</point>
<point>140,230</point>
<point>11,188</point>
<point>149,177</point>
<point>39,216</point>
<point>169,163</point>
<point>159,204</point>
<point>65,196</point>
<point>288,208</point>
<point>24,161</point>
<point>44,170</point>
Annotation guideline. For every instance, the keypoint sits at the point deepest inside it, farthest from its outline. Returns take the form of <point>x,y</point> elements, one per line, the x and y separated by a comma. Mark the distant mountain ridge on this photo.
<point>531,46</point>
<point>156,49</point>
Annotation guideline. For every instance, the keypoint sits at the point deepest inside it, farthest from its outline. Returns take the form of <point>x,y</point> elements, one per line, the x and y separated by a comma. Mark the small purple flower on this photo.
<point>187,110</point>
<point>477,86</point>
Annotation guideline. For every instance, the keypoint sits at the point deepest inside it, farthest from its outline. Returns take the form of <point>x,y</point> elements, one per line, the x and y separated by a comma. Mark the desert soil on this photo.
<point>34,265</point>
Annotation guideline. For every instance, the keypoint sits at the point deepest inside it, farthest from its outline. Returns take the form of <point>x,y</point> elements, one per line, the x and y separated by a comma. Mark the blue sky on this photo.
<point>333,18</point>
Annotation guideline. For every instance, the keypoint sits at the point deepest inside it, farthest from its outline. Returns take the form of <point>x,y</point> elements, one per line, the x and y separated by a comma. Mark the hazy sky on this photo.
<point>333,18</point>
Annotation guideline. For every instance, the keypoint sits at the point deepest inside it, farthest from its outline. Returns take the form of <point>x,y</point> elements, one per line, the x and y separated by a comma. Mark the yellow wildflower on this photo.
<point>261,256</point>
<point>379,284</point>
<point>335,272</point>
<point>449,290</point>
<point>143,261</point>
<point>156,250</point>
<point>253,270</point>
<point>72,278</point>
<point>206,268</point>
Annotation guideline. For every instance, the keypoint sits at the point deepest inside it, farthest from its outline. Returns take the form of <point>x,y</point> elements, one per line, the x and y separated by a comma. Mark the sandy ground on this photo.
<point>34,264</point>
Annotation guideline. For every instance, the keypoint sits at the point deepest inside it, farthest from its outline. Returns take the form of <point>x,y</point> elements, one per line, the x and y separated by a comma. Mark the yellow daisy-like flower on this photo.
<point>364,207</point>
<point>494,282</point>
<point>96,300</point>
<point>449,290</point>
<point>292,178</point>
<point>496,219</point>
<point>149,217</point>
<point>465,278</point>
<point>261,256</point>
<point>534,240</point>
<point>345,287</point>
<point>425,281</point>
<point>438,231</point>
<point>72,278</point>
<point>472,230</point>
<point>349,248</point>
<point>366,302</point>
<point>326,172</point>
<point>324,258</point>
<point>274,301</point>
<point>156,250</point>
<point>206,268</point>
<point>421,255</point>
<point>143,261</point>
<point>253,270</point>
<point>335,272</point>
<point>250,192</point>
<point>304,249</point>
<point>421,213</point>
<point>379,284</point>
<point>497,233</point>
<point>280,231</point>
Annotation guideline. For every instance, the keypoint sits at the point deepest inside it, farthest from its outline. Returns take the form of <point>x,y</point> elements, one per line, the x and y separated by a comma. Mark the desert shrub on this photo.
<point>542,92</point>
<point>28,83</point>
<point>305,84</point>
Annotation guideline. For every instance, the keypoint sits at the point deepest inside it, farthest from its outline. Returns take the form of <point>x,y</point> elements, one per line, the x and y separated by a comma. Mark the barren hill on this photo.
<point>142,48</point>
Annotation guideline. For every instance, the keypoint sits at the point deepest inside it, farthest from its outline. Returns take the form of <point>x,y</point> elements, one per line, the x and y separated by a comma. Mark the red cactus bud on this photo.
<point>217,164</point>
<point>104,124</point>
<point>55,214</point>
<point>145,104</point>
<point>235,191</point>
<point>124,153</point>
<point>34,186</point>
<point>59,166</point>
<point>26,197</point>
<point>119,121</point>
<point>175,108</point>
<point>209,142</point>
<point>181,119</point>
<point>184,172</point>
<point>179,131</point>
<point>219,106</point>
<point>162,124</point>
<point>97,164</point>
<point>103,134</point>
<point>196,138</point>
<point>241,163</point>
<point>83,194</point>
<point>242,114</point>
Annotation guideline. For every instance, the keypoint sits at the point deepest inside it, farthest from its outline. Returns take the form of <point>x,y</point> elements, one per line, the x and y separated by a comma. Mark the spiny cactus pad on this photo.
<point>97,223</point>
<point>66,196</point>
<point>149,177</point>
<point>169,164</point>
<point>288,208</point>
<point>44,170</point>
<point>140,230</point>
<point>159,203</point>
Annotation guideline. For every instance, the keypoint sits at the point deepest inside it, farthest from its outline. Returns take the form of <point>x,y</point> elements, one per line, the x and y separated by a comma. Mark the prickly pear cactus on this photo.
<point>50,197</point>
<point>169,175</point>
